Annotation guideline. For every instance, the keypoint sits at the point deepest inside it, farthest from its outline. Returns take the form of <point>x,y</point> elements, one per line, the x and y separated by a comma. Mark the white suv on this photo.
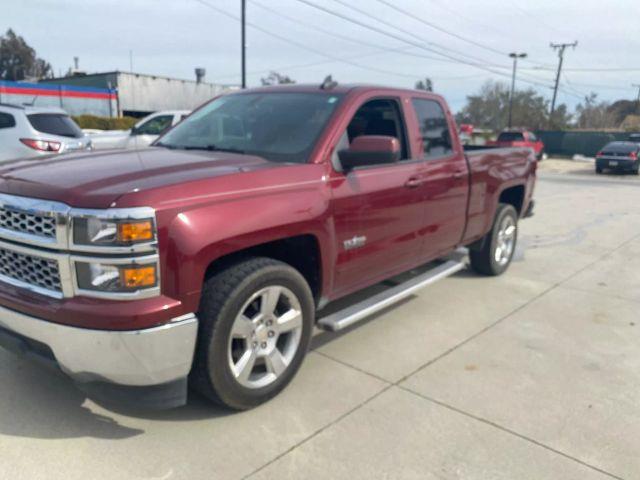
<point>27,132</point>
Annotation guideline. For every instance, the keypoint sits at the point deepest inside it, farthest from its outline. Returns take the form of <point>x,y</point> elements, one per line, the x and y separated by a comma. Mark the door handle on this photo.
<point>459,174</point>
<point>413,182</point>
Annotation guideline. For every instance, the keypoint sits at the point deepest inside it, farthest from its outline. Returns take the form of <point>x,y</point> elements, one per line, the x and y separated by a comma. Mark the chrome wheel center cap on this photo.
<point>261,334</point>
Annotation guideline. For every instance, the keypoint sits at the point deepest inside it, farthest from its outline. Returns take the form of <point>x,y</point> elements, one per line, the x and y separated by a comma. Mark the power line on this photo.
<point>317,28</point>
<point>532,79</point>
<point>302,46</point>
<point>440,29</point>
<point>410,42</point>
<point>402,51</point>
<point>401,30</point>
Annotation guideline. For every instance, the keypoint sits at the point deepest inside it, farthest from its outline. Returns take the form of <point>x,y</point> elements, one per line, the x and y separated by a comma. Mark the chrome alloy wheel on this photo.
<point>265,336</point>
<point>506,241</point>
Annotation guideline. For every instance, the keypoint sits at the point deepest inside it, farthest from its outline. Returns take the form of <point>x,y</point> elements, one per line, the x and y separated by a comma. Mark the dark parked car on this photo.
<point>619,156</point>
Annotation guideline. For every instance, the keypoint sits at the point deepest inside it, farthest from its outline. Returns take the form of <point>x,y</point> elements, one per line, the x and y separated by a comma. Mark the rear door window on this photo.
<point>7,120</point>
<point>434,128</point>
<point>55,124</point>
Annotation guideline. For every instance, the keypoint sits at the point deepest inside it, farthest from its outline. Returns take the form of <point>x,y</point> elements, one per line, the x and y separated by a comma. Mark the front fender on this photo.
<point>198,236</point>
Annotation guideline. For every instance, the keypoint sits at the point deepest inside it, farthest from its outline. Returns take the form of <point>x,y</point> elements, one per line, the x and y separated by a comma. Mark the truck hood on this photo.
<point>96,180</point>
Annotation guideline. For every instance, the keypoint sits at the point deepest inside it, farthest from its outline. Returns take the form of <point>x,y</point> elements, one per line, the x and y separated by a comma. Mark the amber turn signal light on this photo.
<point>138,277</point>
<point>135,231</point>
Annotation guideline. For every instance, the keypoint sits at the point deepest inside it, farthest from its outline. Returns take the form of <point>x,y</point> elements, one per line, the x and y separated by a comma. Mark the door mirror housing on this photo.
<point>134,131</point>
<point>368,150</point>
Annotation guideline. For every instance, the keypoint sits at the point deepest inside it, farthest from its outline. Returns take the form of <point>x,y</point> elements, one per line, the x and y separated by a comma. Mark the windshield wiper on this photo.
<point>165,145</point>
<point>212,148</point>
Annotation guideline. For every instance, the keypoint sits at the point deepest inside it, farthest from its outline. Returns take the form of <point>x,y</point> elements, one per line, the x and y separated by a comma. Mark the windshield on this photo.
<point>55,124</point>
<point>280,127</point>
<point>510,137</point>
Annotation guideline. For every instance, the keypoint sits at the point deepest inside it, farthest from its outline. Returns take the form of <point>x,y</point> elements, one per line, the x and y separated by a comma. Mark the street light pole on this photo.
<point>244,43</point>
<point>515,57</point>
<point>636,85</point>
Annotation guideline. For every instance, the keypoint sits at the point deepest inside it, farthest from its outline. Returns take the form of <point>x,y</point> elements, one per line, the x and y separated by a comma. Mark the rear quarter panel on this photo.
<point>491,172</point>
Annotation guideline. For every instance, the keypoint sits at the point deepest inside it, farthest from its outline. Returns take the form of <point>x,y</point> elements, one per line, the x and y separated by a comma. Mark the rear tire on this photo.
<point>499,244</point>
<point>256,317</point>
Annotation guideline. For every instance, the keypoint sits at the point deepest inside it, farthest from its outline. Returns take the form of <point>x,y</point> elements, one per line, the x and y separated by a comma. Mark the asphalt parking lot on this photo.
<point>535,374</point>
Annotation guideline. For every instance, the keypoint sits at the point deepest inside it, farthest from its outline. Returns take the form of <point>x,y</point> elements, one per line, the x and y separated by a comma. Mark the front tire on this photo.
<point>495,255</point>
<point>256,318</point>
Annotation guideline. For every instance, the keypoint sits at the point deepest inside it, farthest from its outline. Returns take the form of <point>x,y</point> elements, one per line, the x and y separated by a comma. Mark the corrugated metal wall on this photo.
<point>74,100</point>
<point>568,144</point>
<point>141,94</point>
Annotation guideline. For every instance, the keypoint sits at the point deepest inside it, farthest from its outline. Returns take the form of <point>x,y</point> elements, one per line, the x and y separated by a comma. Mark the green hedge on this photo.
<point>105,123</point>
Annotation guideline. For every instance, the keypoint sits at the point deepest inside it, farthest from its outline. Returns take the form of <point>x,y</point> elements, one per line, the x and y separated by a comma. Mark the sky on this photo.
<point>458,44</point>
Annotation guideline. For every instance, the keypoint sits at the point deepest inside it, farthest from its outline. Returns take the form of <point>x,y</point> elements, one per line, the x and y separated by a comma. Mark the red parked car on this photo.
<point>519,138</point>
<point>208,259</point>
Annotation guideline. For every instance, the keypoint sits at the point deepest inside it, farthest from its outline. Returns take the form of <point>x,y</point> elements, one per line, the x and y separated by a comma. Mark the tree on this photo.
<point>621,109</point>
<point>427,85</point>
<point>275,78</point>
<point>594,114</point>
<point>18,61</point>
<point>490,108</point>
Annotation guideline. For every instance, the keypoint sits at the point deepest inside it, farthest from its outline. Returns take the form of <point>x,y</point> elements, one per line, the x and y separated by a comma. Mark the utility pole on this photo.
<point>560,47</point>
<point>637,85</point>
<point>515,57</point>
<point>244,43</point>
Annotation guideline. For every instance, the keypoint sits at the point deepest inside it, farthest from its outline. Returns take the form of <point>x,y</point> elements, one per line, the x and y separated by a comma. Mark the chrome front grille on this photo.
<point>29,223</point>
<point>30,270</point>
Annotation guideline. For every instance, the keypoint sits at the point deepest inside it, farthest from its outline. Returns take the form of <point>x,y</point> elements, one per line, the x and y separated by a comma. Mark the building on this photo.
<point>139,94</point>
<point>75,100</point>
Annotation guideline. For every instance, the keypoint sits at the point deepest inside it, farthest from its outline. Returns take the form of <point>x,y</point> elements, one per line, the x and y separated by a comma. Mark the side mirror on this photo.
<point>134,131</point>
<point>370,150</point>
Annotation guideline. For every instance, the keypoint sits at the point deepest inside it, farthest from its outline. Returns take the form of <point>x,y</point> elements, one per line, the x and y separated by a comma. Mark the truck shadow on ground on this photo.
<point>37,402</point>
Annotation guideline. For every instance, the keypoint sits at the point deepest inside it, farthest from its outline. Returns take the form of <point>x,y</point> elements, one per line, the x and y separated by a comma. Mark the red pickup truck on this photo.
<point>519,138</point>
<point>207,259</point>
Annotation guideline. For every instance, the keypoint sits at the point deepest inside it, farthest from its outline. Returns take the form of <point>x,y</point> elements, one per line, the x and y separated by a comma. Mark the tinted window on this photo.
<point>278,126</point>
<point>511,137</point>
<point>55,124</point>
<point>434,129</point>
<point>620,147</point>
<point>7,120</point>
<point>156,125</point>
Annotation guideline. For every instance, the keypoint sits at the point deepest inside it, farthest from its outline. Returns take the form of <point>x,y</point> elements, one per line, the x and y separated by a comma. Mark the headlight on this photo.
<point>125,278</point>
<point>110,232</point>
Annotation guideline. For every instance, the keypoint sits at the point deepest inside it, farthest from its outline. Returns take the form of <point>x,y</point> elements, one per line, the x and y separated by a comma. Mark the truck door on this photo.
<point>377,208</point>
<point>445,176</point>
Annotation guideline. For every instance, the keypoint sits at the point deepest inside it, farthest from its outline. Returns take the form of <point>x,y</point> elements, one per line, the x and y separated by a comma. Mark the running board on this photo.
<point>354,313</point>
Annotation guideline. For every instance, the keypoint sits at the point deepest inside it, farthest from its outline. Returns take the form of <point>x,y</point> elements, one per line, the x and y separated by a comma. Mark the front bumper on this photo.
<point>107,363</point>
